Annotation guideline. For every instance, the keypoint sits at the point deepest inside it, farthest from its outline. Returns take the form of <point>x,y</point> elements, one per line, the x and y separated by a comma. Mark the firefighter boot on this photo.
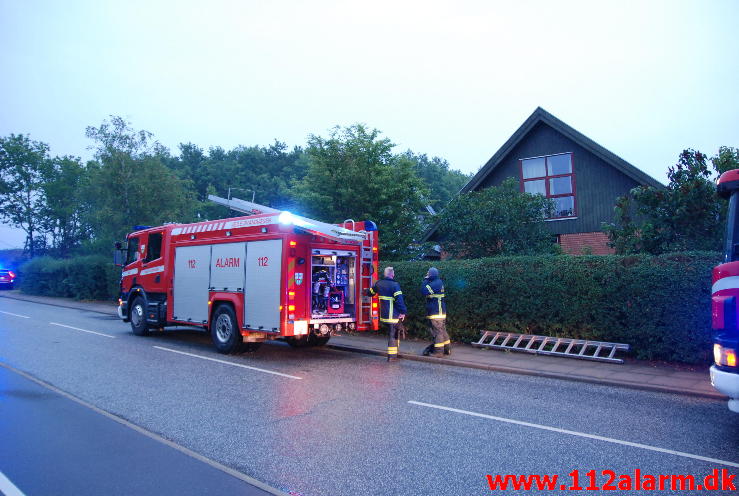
<point>447,349</point>
<point>437,350</point>
<point>427,351</point>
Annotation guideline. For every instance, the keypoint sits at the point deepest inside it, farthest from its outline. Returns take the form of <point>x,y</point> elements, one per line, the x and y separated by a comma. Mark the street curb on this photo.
<point>453,363</point>
<point>61,304</point>
<point>535,373</point>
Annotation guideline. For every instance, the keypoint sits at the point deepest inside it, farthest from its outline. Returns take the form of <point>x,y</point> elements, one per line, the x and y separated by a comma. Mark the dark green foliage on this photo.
<point>354,174</point>
<point>443,183</point>
<point>687,215</point>
<point>23,167</point>
<point>499,220</point>
<point>91,277</point>
<point>660,305</point>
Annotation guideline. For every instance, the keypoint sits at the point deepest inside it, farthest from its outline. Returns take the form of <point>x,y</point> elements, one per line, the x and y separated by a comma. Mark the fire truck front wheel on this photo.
<point>138,317</point>
<point>225,330</point>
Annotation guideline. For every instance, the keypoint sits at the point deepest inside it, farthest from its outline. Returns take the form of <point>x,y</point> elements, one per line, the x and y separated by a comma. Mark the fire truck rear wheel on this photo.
<point>319,340</point>
<point>298,341</point>
<point>138,318</point>
<point>225,330</point>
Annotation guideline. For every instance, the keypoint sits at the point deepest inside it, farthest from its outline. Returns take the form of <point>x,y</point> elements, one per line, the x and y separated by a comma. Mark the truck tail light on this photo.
<point>11,274</point>
<point>724,356</point>
<point>374,305</point>
<point>291,308</point>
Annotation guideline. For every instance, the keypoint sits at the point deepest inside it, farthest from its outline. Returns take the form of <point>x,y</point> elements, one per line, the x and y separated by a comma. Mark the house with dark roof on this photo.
<point>582,178</point>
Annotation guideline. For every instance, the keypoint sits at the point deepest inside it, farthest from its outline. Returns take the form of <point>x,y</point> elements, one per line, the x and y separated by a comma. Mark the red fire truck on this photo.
<point>267,275</point>
<point>725,298</point>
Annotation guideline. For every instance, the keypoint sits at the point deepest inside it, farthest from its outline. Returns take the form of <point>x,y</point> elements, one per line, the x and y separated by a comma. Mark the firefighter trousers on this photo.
<point>442,343</point>
<point>393,339</point>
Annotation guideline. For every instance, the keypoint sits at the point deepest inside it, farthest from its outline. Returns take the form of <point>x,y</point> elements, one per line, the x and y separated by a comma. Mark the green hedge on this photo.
<point>91,277</point>
<point>660,305</point>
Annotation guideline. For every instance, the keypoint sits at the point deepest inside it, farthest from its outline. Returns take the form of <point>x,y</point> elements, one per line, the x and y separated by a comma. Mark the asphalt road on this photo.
<point>325,422</point>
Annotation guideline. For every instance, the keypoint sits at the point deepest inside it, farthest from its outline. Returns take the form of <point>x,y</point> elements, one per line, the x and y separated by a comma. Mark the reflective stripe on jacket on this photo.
<point>391,300</point>
<point>433,290</point>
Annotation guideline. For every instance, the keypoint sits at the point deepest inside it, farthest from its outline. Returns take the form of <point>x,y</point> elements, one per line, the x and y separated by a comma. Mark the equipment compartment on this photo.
<point>333,283</point>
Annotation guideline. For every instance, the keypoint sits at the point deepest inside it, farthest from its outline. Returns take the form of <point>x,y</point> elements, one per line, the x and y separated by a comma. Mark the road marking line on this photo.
<point>579,434</point>
<point>16,315</point>
<point>82,330</point>
<point>229,363</point>
<point>8,488</point>
<point>149,434</point>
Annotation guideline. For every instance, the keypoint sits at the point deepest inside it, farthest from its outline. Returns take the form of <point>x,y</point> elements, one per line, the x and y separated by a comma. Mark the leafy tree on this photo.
<point>130,184</point>
<point>62,211</point>
<point>23,165</point>
<point>354,174</point>
<point>499,220</point>
<point>442,182</point>
<point>262,173</point>
<point>686,215</point>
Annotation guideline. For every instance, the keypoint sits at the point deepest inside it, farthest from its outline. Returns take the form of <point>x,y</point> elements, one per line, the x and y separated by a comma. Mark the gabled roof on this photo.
<point>541,115</point>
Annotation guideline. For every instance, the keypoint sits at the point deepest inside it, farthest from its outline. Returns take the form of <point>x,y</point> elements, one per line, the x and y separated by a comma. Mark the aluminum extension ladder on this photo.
<point>600,351</point>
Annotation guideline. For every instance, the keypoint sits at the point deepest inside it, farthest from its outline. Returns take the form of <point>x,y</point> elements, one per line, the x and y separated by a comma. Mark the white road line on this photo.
<point>8,488</point>
<point>229,363</point>
<point>82,330</point>
<point>579,434</point>
<point>16,315</point>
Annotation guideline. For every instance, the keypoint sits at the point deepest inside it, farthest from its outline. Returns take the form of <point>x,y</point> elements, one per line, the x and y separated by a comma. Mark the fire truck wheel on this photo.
<point>300,342</point>
<point>225,330</point>
<point>138,318</point>
<point>319,340</point>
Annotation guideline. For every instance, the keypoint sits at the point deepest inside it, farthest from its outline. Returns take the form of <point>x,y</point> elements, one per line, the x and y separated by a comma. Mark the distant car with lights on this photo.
<point>725,299</point>
<point>7,278</point>
<point>245,280</point>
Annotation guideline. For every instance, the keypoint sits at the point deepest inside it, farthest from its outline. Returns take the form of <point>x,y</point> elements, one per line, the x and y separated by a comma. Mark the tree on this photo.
<point>499,220</point>
<point>686,215</point>
<point>442,182</point>
<point>23,165</point>
<point>354,174</point>
<point>62,211</point>
<point>130,184</point>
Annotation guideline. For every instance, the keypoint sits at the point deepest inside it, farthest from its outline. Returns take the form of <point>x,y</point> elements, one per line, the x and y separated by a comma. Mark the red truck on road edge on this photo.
<point>250,279</point>
<point>725,298</point>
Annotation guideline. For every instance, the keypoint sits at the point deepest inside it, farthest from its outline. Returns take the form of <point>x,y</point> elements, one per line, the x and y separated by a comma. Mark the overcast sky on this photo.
<point>451,79</point>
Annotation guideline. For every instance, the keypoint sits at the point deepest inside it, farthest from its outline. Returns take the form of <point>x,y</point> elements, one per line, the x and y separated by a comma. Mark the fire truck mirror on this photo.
<point>118,245</point>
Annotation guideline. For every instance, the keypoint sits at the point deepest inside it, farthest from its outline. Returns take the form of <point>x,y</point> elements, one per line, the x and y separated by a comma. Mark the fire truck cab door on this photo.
<point>191,277</point>
<point>262,285</point>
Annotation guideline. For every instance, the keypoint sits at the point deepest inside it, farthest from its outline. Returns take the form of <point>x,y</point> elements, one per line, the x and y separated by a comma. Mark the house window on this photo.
<point>551,176</point>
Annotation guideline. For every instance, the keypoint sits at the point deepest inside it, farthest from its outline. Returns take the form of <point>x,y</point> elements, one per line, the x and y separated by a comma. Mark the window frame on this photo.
<point>132,254</point>
<point>160,234</point>
<point>546,179</point>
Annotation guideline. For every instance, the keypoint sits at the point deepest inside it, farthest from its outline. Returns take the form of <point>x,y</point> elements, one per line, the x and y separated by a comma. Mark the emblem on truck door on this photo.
<point>298,278</point>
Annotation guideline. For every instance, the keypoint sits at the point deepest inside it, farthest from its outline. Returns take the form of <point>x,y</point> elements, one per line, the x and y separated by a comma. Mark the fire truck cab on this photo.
<point>250,279</point>
<point>725,298</point>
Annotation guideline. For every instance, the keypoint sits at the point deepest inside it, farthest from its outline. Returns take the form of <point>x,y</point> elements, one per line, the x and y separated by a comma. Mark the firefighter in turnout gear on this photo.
<point>433,289</point>
<point>392,309</point>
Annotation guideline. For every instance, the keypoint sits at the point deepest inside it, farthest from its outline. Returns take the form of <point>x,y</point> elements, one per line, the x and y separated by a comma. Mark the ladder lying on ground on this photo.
<point>546,345</point>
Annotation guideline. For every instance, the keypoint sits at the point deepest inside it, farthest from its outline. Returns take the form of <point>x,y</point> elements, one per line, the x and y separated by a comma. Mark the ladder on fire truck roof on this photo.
<point>315,227</point>
<point>600,351</point>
